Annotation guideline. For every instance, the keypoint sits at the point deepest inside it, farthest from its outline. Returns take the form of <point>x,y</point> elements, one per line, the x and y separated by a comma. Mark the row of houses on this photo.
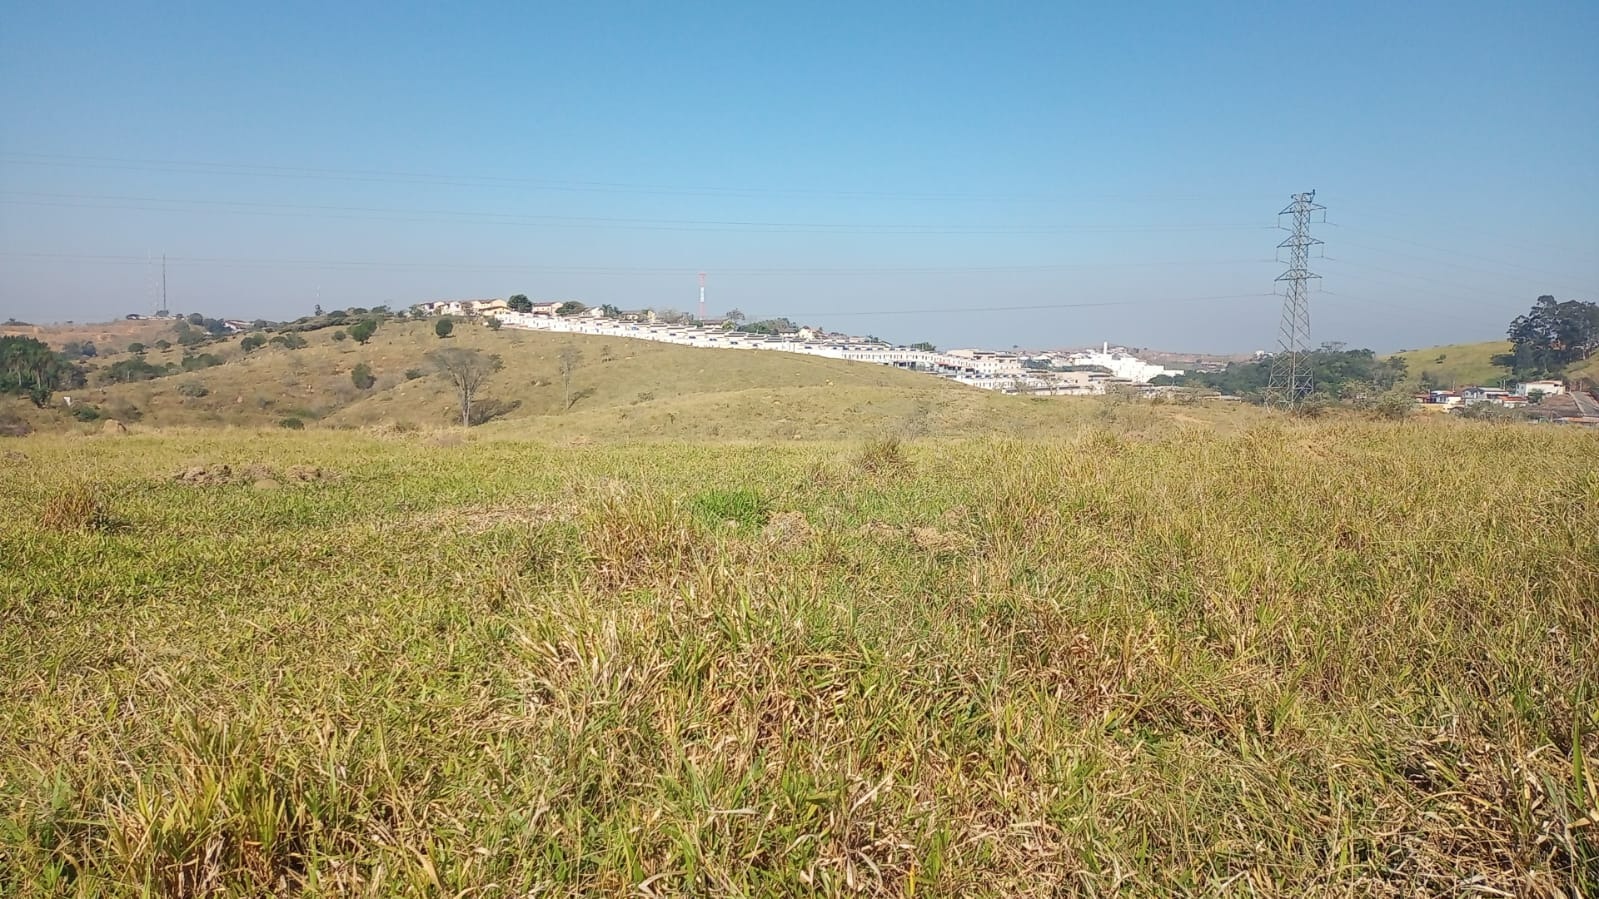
<point>1516,397</point>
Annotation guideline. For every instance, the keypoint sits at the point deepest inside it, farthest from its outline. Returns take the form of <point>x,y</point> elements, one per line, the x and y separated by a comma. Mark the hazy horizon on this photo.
<point>1049,178</point>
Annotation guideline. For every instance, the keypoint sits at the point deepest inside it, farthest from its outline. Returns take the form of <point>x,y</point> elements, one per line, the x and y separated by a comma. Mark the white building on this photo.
<point>1546,387</point>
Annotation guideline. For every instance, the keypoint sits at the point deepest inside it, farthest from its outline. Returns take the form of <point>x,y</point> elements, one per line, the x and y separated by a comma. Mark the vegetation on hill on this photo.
<point>1304,659</point>
<point>1336,372</point>
<point>1456,365</point>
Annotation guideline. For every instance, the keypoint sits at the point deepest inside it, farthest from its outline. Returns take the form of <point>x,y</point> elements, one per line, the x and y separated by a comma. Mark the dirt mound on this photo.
<point>112,426</point>
<point>254,473</point>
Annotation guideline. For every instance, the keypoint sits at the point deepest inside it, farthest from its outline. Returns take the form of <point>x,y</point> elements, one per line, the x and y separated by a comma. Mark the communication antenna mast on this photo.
<point>163,311</point>
<point>1290,369</point>
<point>702,296</point>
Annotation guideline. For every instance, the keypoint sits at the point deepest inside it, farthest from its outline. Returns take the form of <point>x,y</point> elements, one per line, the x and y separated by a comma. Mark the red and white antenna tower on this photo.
<point>702,296</point>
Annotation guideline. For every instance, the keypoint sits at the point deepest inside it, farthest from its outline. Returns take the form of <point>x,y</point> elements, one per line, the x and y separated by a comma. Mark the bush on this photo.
<point>362,330</point>
<point>493,324</point>
<point>135,347</point>
<point>340,336</point>
<point>193,389</point>
<point>163,344</point>
<point>411,374</point>
<point>252,342</point>
<point>204,360</point>
<point>362,376</point>
<point>292,423</point>
<point>443,327</point>
<point>85,413</point>
<point>289,341</point>
<point>743,508</point>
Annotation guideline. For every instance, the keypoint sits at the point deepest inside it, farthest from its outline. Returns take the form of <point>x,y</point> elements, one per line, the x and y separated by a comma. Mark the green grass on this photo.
<point>1458,364</point>
<point>1285,658</point>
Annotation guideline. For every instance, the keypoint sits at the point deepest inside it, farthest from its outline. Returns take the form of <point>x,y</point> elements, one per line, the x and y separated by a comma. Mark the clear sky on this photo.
<point>993,174</point>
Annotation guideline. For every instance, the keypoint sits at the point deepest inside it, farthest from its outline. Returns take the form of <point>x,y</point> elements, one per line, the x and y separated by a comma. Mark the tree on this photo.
<point>362,376</point>
<point>28,367</point>
<point>610,311</point>
<point>493,324</point>
<point>571,307</point>
<point>569,359</point>
<point>443,327</point>
<point>734,315</point>
<point>924,346</point>
<point>136,347</point>
<point>362,330</point>
<point>467,370</point>
<point>289,341</point>
<point>317,310</point>
<point>519,303</point>
<point>252,342</point>
<point>1550,337</point>
<point>670,316</point>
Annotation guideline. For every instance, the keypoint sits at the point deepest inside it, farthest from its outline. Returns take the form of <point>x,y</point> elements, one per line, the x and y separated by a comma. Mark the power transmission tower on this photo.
<point>1290,368</point>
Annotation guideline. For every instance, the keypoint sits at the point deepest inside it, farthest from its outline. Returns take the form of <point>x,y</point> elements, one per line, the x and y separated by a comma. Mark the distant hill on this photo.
<point>626,390</point>
<point>1458,364</point>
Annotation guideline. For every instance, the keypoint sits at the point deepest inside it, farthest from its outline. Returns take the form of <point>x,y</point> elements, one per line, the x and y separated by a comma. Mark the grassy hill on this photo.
<point>626,390</point>
<point>1307,659</point>
<point>1458,364</point>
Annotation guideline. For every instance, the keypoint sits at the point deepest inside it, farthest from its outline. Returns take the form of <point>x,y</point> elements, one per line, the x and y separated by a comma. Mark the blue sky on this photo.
<point>986,174</point>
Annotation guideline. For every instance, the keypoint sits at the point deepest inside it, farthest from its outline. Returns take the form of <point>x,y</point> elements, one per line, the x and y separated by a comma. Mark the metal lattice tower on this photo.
<point>1290,368</point>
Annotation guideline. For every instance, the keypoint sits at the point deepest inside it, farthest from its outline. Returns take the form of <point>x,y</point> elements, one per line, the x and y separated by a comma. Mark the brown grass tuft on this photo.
<point>77,507</point>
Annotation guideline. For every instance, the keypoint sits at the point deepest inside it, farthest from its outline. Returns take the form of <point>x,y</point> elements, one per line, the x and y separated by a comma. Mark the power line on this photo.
<point>1030,308</point>
<point>233,207</point>
<point>200,167</point>
<point>249,262</point>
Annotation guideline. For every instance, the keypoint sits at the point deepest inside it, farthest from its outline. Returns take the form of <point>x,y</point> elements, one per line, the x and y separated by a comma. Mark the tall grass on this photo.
<point>1309,659</point>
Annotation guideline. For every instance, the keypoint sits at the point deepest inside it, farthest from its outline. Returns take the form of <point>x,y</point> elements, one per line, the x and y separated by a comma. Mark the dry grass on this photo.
<point>1324,658</point>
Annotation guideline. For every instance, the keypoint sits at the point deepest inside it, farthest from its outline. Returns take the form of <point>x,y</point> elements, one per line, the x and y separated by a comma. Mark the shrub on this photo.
<point>744,508</point>
<point>411,374</point>
<point>193,389</point>
<point>443,327</point>
<point>289,341</point>
<point>85,413</point>
<point>292,423</point>
<point>493,324</point>
<point>163,344</point>
<point>362,376</point>
<point>135,347</point>
<point>252,342</point>
<point>340,336</point>
<point>362,330</point>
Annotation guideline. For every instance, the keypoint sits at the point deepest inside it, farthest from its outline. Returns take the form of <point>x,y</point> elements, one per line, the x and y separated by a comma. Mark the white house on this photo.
<point>1546,387</point>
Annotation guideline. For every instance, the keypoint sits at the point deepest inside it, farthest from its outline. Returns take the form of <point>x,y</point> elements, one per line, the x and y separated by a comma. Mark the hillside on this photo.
<point>623,389</point>
<point>1457,364</point>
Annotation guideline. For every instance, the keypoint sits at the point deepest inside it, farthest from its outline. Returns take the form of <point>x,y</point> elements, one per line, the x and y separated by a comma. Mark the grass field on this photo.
<point>1260,657</point>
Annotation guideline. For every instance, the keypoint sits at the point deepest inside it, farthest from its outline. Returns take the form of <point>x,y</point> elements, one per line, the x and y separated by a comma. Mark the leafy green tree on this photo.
<point>252,342</point>
<point>1550,337</point>
<point>362,330</point>
<point>571,307</point>
<point>28,367</point>
<point>136,347</point>
<point>127,371</point>
<point>443,327</point>
<point>519,303</point>
<point>924,346</point>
